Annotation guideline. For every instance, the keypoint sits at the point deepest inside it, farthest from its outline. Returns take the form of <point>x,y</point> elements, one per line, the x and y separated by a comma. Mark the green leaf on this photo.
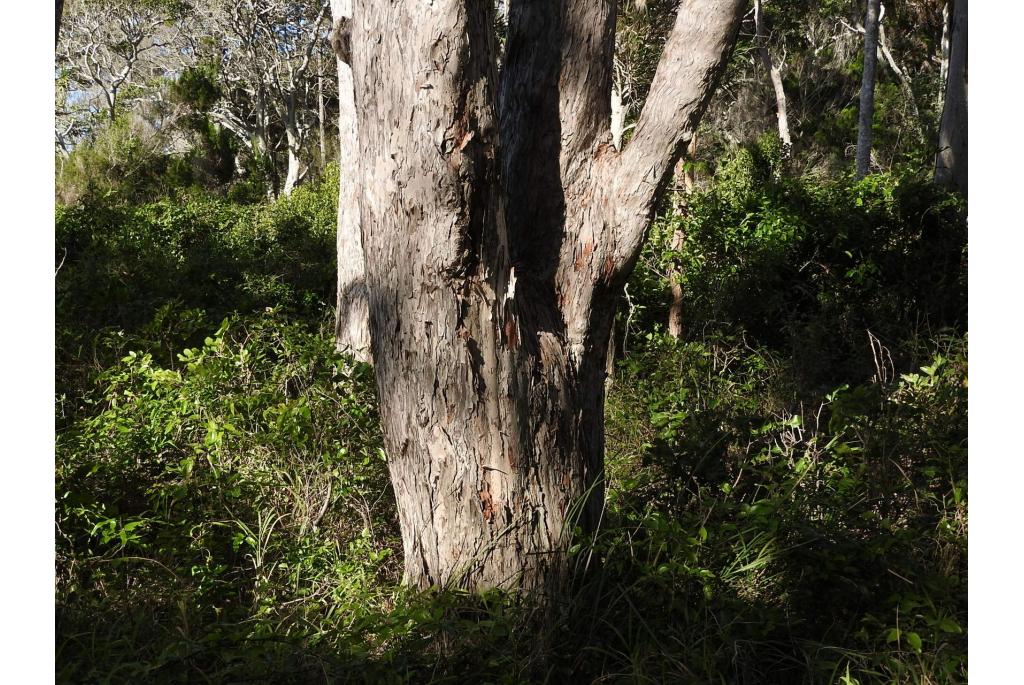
<point>914,640</point>
<point>950,626</point>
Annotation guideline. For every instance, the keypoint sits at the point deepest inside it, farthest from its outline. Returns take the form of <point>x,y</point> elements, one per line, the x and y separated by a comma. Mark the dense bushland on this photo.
<point>787,487</point>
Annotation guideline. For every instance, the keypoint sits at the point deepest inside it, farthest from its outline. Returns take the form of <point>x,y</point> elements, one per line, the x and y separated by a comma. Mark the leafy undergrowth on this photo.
<point>223,511</point>
<point>228,515</point>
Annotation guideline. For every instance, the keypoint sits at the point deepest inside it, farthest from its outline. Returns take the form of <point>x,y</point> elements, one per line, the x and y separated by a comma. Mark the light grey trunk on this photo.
<point>951,160</point>
<point>352,326</point>
<point>866,113</point>
<point>492,269</point>
<point>291,179</point>
<point>906,86</point>
<point>775,74</point>
<point>293,144</point>
<point>947,18</point>
<point>321,112</point>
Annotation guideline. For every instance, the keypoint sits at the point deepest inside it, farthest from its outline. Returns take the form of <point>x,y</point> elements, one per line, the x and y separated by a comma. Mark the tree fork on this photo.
<point>499,229</point>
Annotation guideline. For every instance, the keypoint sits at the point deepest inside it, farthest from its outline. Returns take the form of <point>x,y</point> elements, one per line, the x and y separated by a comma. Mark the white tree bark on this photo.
<point>352,325</point>
<point>775,74</point>
<point>947,18</point>
<point>294,173</point>
<point>618,118</point>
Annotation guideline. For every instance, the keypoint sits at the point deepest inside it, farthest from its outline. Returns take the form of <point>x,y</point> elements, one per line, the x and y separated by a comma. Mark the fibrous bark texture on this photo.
<point>499,224</point>
<point>951,160</point>
<point>867,88</point>
<point>352,326</point>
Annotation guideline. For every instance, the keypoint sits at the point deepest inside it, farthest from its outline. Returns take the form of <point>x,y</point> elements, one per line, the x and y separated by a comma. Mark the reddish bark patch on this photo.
<point>511,332</point>
<point>486,504</point>
<point>609,266</point>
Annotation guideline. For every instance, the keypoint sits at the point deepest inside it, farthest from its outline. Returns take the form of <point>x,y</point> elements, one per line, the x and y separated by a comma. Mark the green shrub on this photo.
<point>825,538</point>
<point>809,268</point>
<point>239,491</point>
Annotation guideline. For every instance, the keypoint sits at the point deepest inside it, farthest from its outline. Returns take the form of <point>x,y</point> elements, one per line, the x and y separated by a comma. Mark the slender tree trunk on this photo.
<point>293,143</point>
<point>906,86</point>
<point>293,174</point>
<point>261,147</point>
<point>951,160</point>
<point>867,89</point>
<point>321,111</point>
<point>352,325</point>
<point>776,78</point>
<point>493,270</point>
<point>947,18</point>
<point>675,306</point>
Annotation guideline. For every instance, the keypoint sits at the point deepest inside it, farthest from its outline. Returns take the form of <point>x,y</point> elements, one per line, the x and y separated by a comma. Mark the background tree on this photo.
<point>775,75</point>
<point>270,86</point>
<point>111,47</point>
<point>352,326</point>
<point>951,160</point>
<point>865,120</point>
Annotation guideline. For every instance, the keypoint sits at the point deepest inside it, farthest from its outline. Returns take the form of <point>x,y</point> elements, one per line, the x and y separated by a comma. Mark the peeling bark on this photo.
<point>499,229</point>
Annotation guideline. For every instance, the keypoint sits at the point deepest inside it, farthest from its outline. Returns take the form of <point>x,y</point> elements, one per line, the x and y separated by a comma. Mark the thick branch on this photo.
<point>694,58</point>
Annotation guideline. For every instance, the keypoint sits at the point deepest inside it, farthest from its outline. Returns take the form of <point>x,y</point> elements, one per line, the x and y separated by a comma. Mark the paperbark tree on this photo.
<point>499,225</point>
<point>112,47</point>
<point>352,325</point>
<point>264,51</point>
<point>775,74</point>
<point>951,160</point>
<point>866,113</point>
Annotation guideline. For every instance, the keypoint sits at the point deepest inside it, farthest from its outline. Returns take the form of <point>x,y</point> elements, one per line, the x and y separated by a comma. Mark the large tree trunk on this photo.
<point>497,238</point>
<point>866,114</point>
<point>951,160</point>
<point>352,326</point>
